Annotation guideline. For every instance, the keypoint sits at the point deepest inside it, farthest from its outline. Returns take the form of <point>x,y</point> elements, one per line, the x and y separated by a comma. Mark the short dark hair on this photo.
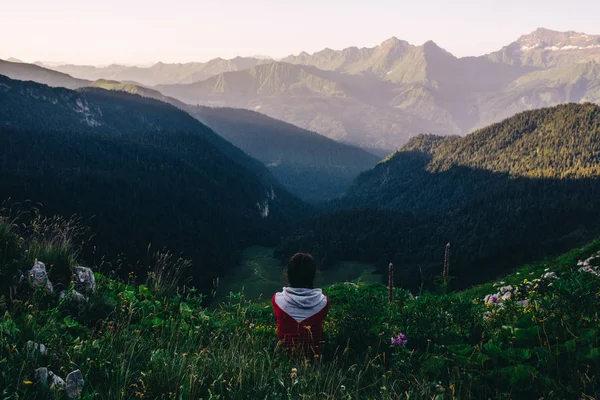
<point>301,271</point>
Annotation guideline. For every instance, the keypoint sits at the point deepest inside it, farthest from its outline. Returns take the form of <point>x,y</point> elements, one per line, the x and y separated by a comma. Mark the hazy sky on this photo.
<point>145,31</point>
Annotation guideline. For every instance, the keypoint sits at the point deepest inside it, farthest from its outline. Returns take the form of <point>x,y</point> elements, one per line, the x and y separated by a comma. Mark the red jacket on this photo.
<point>300,313</point>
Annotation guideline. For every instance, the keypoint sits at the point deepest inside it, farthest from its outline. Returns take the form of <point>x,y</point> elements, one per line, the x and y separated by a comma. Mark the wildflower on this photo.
<point>399,340</point>
<point>251,326</point>
<point>550,275</point>
<point>294,373</point>
<point>27,383</point>
<point>492,299</point>
<point>342,388</point>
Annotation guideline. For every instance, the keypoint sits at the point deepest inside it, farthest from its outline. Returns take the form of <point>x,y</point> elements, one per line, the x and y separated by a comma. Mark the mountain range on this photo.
<point>379,97</point>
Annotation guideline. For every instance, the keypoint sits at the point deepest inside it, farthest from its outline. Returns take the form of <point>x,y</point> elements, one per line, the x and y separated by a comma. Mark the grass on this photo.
<point>143,341</point>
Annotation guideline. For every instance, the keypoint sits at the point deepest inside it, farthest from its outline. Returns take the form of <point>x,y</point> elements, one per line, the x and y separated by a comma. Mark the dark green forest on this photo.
<point>138,172</point>
<point>523,188</point>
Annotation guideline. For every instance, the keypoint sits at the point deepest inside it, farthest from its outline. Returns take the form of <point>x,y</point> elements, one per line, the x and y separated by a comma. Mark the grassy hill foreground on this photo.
<point>533,334</point>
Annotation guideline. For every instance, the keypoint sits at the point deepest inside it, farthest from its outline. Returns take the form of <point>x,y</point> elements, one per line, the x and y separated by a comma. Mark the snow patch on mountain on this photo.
<point>559,48</point>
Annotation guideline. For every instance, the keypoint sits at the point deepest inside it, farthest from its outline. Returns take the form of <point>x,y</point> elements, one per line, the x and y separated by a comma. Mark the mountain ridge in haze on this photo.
<point>160,73</point>
<point>396,90</point>
<point>383,95</point>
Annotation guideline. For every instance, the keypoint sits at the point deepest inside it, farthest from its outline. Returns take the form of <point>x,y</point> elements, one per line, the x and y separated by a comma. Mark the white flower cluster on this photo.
<point>510,292</point>
<point>586,265</point>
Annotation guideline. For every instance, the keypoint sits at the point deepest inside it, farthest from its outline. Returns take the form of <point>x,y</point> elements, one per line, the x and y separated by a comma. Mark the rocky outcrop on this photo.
<point>74,384</point>
<point>35,349</point>
<point>38,277</point>
<point>85,282</point>
<point>41,375</point>
<point>55,380</point>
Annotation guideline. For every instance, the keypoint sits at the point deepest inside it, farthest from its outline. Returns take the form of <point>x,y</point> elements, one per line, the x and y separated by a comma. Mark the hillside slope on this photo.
<point>533,334</point>
<point>142,169</point>
<point>511,192</point>
<point>309,165</point>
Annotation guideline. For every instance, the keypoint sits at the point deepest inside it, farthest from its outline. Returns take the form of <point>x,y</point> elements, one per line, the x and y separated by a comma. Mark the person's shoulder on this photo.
<point>275,296</point>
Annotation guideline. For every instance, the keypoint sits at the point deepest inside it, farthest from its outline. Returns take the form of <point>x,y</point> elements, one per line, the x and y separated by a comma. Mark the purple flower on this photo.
<point>493,299</point>
<point>400,340</point>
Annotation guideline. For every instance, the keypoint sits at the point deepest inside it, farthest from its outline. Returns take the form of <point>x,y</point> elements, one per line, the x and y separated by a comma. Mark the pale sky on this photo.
<point>147,31</point>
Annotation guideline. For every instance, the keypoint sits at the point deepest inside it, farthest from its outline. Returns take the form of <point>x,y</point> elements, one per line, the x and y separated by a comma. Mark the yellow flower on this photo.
<point>27,383</point>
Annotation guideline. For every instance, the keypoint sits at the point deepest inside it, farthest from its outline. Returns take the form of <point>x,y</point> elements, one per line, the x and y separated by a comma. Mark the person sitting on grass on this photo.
<point>300,308</point>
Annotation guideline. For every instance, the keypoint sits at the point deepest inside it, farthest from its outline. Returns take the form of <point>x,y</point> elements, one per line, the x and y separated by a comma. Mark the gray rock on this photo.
<point>38,277</point>
<point>62,294</point>
<point>77,297</point>
<point>85,282</point>
<point>34,349</point>
<point>56,380</point>
<point>41,375</point>
<point>74,384</point>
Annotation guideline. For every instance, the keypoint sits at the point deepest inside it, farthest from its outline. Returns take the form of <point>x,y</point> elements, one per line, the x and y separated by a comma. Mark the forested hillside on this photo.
<point>505,194</point>
<point>311,166</point>
<point>137,171</point>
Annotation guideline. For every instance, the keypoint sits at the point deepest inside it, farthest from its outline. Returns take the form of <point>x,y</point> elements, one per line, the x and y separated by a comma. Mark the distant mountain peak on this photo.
<point>550,40</point>
<point>393,42</point>
<point>431,44</point>
<point>14,60</point>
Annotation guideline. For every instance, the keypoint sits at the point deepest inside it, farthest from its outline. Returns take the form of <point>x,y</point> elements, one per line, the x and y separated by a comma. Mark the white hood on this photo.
<point>300,303</point>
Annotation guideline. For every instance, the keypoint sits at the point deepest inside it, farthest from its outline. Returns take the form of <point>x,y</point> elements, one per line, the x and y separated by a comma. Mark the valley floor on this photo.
<point>260,274</point>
